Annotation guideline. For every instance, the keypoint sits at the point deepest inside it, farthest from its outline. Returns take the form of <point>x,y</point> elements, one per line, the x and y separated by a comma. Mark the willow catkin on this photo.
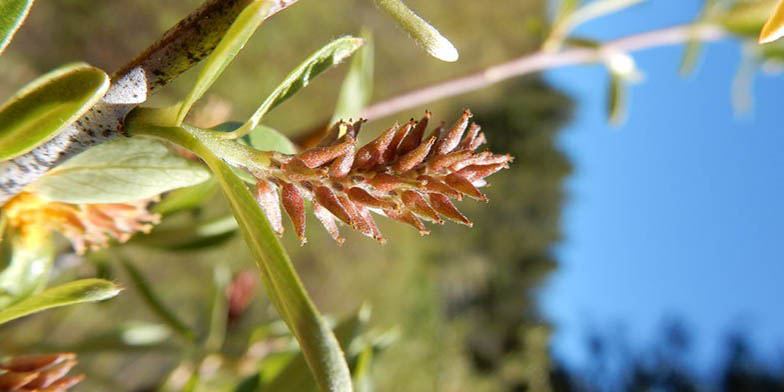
<point>400,174</point>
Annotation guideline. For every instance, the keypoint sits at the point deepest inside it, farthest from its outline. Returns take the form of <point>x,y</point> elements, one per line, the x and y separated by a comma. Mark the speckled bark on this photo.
<point>184,45</point>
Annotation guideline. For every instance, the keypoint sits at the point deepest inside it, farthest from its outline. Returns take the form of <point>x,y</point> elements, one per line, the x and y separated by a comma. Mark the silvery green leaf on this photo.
<point>420,30</point>
<point>122,170</point>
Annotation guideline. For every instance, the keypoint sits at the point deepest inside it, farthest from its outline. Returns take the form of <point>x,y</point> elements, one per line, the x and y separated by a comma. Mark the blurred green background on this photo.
<point>461,299</point>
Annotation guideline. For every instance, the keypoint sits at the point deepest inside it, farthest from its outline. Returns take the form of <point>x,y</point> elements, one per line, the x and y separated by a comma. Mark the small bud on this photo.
<point>477,172</point>
<point>409,218</point>
<point>443,161</point>
<point>452,138</point>
<point>419,206</point>
<point>267,197</point>
<point>415,157</point>
<point>359,195</point>
<point>372,154</point>
<point>473,130</point>
<point>327,198</point>
<point>443,205</point>
<point>464,186</point>
<point>414,137</point>
<point>328,221</point>
<point>342,165</point>
<point>318,156</point>
<point>295,208</point>
<point>52,374</point>
<point>432,184</point>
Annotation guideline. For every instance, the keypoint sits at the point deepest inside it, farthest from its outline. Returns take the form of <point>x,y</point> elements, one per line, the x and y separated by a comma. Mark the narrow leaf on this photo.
<point>122,170</point>
<point>357,88</point>
<point>236,36</point>
<point>86,290</point>
<point>219,310</point>
<point>155,303</point>
<point>774,27</point>
<point>421,31</point>
<point>593,10</point>
<point>40,109</point>
<point>187,198</point>
<point>326,57</point>
<point>322,352</point>
<point>616,100</point>
<point>193,236</point>
<point>12,15</point>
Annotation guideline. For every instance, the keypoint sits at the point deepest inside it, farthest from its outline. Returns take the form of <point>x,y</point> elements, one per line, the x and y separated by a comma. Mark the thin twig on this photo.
<point>540,61</point>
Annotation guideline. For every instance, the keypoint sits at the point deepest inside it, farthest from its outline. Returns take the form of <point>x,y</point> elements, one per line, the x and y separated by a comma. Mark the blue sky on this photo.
<point>680,211</point>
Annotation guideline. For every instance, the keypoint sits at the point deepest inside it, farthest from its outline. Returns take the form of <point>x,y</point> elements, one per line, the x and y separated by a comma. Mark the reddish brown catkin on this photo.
<point>399,174</point>
<point>44,373</point>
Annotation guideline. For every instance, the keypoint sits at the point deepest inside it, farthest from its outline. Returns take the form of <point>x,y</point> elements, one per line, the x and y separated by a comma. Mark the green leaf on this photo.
<point>262,138</point>
<point>155,303</point>
<point>326,57</point>
<point>187,198</point>
<point>292,377</point>
<point>26,268</point>
<point>746,18</point>
<point>616,99</point>
<point>236,36</point>
<point>322,352</point>
<point>128,337</point>
<point>357,87</point>
<point>122,170</point>
<point>422,32</point>
<point>191,236</point>
<point>219,309</point>
<point>774,27</point>
<point>86,290</point>
<point>12,14</point>
<point>593,10</point>
<point>37,111</point>
<point>268,139</point>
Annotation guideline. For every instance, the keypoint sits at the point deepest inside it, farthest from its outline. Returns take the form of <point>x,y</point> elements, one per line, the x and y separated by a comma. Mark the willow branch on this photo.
<point>540,61</point>
<point>180,48</point>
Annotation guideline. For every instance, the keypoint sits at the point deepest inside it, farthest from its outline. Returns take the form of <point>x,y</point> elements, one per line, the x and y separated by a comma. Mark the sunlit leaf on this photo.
<point>40,109</point>
<point>357,88</point>
<point>420,30</point>
<point>187,198</point>
<point>774,27</point>
<point>196,236</point>
<point>322,351</point>
<point>155,303</point>
<point>746,18</point>
<point>331,54</point>
<point>26,267</point>
<point>80,291</point>
<point>122,170</point>
<point>232,42</point>
<point>12,15</point>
